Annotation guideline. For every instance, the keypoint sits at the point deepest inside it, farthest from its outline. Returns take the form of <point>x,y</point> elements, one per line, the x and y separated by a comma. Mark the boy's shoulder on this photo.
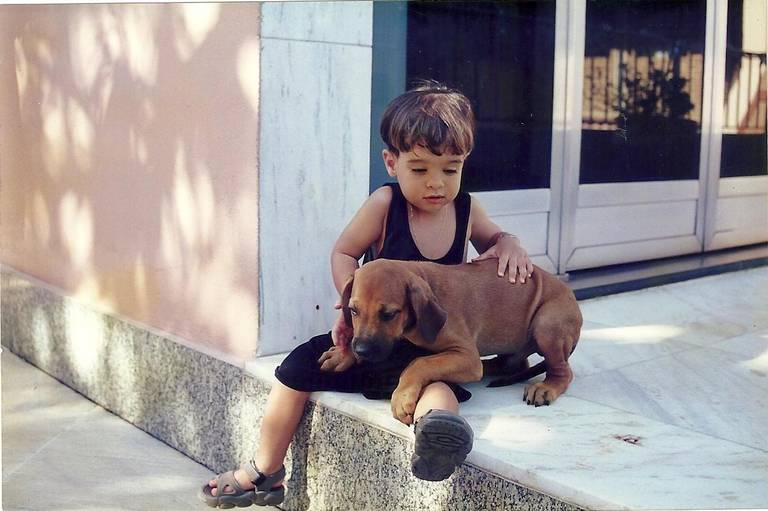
<point>382,196</point>
<point>376,206</point>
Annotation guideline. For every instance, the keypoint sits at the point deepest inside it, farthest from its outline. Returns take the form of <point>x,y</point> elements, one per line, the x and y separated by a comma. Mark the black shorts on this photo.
<point>300,371</point>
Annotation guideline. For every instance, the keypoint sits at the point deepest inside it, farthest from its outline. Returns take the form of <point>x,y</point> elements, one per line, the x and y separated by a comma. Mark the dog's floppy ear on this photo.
<point>345,294</point>
<point>428,314</point>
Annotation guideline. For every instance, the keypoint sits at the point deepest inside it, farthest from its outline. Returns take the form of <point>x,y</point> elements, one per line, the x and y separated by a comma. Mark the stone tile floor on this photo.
<point>62,452</point>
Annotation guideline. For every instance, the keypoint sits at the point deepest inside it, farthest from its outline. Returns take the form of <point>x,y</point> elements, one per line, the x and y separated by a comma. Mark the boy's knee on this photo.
<point>289,375</point>
<point>438,387</point>
<point>438,395</point>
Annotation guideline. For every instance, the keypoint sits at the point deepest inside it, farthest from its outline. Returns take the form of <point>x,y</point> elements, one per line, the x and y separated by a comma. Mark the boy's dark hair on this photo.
<point>432,115</point>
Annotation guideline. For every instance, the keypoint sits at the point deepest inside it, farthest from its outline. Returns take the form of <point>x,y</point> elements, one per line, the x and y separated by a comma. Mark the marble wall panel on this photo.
<point>315,125</point>
<point>332,22</point>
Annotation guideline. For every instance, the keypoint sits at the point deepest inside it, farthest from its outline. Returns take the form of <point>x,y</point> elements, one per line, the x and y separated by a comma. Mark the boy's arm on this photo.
<point>490,241</point>
<point>363,230</point>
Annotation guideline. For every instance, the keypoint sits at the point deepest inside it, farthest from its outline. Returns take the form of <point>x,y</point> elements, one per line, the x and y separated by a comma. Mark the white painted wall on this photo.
<point>314,172</point>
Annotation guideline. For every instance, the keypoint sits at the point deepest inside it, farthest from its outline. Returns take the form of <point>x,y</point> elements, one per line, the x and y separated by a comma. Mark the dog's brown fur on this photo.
<point>461,313</point>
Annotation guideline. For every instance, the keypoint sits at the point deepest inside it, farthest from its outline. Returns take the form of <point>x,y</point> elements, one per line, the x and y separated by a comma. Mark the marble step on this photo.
<point>576,453</point>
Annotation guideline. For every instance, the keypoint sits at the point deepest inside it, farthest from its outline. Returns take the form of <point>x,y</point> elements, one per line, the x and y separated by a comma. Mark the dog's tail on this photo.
<point>526,374</point>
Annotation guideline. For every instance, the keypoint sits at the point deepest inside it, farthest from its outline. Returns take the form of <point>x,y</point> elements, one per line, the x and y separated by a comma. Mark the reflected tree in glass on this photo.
<point>643,85</point>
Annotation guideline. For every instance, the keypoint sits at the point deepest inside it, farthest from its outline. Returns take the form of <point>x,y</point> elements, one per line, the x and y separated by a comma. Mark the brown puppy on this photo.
<point>460,313</point>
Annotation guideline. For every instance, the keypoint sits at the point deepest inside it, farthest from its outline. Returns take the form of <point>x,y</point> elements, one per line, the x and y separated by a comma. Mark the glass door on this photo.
<point>633,179</point>
<point>502,56</point>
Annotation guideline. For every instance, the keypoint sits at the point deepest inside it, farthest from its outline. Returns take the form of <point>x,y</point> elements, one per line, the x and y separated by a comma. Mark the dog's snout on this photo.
<point>369,349</point>
<point>363,349</point>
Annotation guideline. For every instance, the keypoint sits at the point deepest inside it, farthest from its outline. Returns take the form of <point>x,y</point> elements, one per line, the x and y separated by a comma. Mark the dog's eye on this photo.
<point>353,311</point>
<point>388,316</point>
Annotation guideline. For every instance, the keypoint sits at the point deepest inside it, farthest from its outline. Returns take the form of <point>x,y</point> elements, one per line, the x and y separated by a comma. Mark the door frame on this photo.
<point>725,225</point>
<point>717,24</point>
<point>575,23</point>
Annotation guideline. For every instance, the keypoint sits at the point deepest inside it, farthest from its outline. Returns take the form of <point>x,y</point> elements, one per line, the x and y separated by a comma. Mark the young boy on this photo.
<point>429,133</point>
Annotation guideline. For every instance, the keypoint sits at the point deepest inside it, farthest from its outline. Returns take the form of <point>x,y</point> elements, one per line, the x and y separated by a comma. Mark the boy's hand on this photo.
<point>510,255</point>
<point>341,333</point>
<point>339,357</point>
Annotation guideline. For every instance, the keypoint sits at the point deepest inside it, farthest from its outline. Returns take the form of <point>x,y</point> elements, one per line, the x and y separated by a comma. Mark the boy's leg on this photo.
<point>436,396</point>
<point>443,437</point>
<point>282,414</point>
<point>284,409</point>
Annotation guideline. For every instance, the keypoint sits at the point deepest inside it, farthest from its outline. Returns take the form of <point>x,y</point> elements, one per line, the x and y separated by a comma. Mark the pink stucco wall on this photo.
<point>129,161</point>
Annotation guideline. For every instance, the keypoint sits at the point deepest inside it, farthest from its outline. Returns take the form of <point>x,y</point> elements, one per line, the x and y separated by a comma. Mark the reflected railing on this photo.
<point>629,82</point>
<point>745,92</point>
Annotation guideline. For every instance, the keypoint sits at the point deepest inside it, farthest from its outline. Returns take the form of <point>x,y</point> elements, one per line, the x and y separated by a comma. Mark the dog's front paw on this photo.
<point>404,403</point>
<point>336,360</point>
<point>539,394</point>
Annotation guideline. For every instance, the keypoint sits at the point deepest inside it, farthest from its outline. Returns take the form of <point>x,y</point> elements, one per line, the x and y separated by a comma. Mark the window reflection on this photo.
<point>643,80</point>
<point>744,115</point>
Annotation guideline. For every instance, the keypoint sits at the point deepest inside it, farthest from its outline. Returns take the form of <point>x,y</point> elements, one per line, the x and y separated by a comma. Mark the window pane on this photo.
<point>501,55</point>
<point>744,117</point>
<point>643,81</point>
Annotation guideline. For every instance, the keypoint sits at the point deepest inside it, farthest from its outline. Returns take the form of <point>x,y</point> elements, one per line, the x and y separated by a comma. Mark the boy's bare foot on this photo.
<point>240,476</point>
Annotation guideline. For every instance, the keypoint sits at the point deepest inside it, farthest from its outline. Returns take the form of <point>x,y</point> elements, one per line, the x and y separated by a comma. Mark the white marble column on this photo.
<point>315,108</point>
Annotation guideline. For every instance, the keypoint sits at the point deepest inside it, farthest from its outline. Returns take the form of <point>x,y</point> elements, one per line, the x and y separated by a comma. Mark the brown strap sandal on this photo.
<point>231,494</point>
<point>264,493</point>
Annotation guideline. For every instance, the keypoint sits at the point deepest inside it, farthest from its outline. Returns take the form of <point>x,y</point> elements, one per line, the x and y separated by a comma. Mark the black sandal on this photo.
<point>443,440</point>
<point>262,495</point>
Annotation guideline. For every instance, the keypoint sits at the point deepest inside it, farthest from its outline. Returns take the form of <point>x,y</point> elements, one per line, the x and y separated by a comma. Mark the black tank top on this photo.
<point>398,241</point>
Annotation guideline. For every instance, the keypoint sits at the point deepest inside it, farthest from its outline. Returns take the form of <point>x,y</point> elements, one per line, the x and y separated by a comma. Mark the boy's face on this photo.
<point>428,181</point>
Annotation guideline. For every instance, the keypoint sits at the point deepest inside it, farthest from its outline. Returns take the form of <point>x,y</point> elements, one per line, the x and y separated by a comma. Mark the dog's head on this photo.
<point>384,301</point>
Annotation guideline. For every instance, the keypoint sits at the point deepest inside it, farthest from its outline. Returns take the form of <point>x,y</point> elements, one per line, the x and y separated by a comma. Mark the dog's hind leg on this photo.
<point>504,365</point>
<point>524,373</point>
<point>555,328</point>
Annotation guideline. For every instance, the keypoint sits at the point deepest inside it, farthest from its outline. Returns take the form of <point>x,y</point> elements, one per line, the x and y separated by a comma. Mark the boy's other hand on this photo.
<point>341,333</point>
<point>511,256</point>
<point>339,357</point>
